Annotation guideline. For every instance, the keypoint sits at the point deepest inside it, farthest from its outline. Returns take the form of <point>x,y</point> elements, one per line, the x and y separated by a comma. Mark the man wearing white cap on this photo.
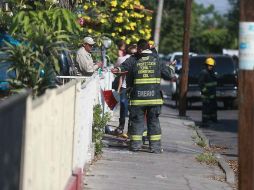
<point>86,66</point>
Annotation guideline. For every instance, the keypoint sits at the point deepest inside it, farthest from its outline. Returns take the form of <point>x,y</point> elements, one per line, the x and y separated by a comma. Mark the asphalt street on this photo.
<point>222,135</point>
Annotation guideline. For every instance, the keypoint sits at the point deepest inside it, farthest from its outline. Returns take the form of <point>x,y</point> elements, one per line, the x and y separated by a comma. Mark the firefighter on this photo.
<point>207,84</point>
<point>144,75</point>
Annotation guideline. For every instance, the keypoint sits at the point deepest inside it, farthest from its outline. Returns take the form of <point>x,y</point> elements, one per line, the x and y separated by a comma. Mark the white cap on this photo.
<point>88,40</point>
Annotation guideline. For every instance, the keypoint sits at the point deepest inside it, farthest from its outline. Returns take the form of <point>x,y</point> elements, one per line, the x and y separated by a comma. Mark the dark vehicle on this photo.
<point>226,74</point>
<point>4,75</point>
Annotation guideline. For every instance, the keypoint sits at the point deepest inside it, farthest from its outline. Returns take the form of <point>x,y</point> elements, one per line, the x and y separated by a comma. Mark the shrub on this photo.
<point>99,122</point>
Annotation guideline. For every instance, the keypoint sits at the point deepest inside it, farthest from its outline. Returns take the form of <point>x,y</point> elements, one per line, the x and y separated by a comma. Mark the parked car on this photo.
<point>4,66</point>
<point>4,75</point>
<point>176,56</point>
<point>225,72</point>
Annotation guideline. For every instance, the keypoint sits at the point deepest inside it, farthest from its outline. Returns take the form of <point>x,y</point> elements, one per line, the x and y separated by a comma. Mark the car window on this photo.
<point>224,65</point>
<point>196,65</point>
<point>4,75</point>
<point>64,63</point>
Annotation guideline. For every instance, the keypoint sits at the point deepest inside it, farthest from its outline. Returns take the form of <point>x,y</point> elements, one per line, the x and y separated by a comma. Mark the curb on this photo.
<point>229,173</point>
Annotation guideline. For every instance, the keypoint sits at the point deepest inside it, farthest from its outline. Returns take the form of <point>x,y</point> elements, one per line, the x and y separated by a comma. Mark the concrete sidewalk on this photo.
<point>175,169</point>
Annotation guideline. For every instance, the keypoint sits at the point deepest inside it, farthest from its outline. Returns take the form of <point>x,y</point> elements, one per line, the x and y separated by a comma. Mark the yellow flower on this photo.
<point>89,31</point>
<point>85,7</point>
<point>148,36</point>
<point>147,30</point>
<point>103,20</point>
<point>79,15</point>
<point>87,18</point>
<point>132,25</point>
<point>142,32</point>
<point>136,15</point>
<point>136,2</point>
<point>119,29</point>
<point>119,20</point>
<point>126,13</point>
<point>128,41</point>
<point>104,16</point>
<point>148,18</point>
<point>113,34</point>
<point>151,42</point>
<point>113,3</point>
<point>127,27</point>
<point>125,4</point>
<point>123,37</point>
<point>120,14</point>
<point>94,3</point>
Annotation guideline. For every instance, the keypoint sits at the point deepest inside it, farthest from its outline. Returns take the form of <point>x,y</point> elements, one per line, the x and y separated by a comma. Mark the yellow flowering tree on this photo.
<point>127,20</point>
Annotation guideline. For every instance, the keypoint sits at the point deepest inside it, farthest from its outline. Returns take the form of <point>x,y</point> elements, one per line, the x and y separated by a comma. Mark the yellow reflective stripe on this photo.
<point>145,133</point>
<point>147,81</point>
<point>136,137</point>
<point>145,102</point>
<point>211,84</point>
<point>155,137</point>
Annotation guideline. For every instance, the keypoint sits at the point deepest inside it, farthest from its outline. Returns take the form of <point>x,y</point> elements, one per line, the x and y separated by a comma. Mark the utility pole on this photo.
<point>158,24</point>
<point>185,67</point>
<point>246,94</point>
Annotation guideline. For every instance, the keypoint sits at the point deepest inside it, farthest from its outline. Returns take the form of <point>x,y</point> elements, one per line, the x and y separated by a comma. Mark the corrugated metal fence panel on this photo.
<point>12,124</point>
<point>49,140</point>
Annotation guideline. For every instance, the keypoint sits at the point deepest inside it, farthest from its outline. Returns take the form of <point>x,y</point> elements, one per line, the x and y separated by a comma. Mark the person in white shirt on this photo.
<point>85,64</point>
<point>130,50</point>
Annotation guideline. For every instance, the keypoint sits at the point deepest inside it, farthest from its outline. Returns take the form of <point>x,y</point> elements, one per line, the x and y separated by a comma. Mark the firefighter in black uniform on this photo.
<point>207,84</point>
<point>144,75</point>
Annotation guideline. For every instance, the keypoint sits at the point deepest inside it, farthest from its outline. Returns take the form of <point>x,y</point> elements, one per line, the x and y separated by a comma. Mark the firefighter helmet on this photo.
<point>210,61</point>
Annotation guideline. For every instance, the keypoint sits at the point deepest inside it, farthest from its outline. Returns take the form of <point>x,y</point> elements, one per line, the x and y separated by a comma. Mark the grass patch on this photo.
<point>207,157</point>
<point>201,142</point>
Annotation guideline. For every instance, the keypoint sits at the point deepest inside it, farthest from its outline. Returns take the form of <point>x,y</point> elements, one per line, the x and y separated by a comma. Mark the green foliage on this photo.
<point>233,22</point>
<point>223,29</point>
<point>34,70</point>
<point>198,140</point>
<point>172,28</point>
<point>214,39</point>
<point>5,20</point>
<point>45,33</point>
<point>209,32</point>
<point>207,157</point>
<point>27,65</point>
<point>127,20</point>
<point>55,19</point>
<point>99,122</point>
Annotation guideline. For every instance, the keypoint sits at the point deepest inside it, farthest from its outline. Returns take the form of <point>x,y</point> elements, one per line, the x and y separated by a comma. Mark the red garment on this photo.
<point>110,99</point>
